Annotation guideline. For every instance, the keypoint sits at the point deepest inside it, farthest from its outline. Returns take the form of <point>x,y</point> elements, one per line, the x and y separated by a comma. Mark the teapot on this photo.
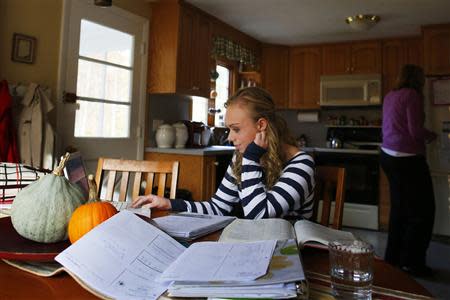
<point>336,143</point>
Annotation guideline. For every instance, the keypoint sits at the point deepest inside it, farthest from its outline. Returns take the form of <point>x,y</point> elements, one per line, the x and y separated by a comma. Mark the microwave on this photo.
<point>350,90</point>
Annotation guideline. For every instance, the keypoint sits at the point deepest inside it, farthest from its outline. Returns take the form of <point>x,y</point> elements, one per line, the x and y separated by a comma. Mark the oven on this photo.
<point>361,185</point>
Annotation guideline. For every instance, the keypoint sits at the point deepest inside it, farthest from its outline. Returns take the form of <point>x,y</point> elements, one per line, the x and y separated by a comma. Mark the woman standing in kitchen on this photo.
<point>268,176</point>
<point>403,160</point>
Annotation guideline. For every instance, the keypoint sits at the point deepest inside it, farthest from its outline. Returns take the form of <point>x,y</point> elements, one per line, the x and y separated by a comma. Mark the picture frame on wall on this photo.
<point>23,48</point>
<point>440,91</point>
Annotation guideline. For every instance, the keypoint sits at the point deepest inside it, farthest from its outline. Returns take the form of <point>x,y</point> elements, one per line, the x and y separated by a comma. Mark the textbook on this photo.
<point>190,226</point>
<point>304,231</point>
<point>126,257</point>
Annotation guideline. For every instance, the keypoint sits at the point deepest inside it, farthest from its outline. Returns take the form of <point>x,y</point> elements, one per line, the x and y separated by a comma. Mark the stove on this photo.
<point>359,156</point>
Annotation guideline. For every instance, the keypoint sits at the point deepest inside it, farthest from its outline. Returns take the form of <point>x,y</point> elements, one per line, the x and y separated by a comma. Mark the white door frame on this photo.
<point>62,68</point>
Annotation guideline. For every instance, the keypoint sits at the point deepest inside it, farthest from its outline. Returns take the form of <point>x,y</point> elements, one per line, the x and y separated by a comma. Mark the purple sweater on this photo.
<point>403,120</point>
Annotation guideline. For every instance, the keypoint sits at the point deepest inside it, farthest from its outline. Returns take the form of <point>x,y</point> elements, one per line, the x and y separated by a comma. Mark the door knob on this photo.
<point>70,97</point>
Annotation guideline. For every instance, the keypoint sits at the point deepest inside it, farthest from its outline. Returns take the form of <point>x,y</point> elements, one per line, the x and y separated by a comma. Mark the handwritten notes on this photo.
<point>122,257</point>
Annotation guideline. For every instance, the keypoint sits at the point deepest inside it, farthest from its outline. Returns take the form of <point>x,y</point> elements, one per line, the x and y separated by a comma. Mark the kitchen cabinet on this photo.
<point>179,53</point>
<point>197,173</point>
<point>396,53</point>
<point>304,77</point>
<point>436,41</point>
<point>275,74</point>
<point>351,58</point>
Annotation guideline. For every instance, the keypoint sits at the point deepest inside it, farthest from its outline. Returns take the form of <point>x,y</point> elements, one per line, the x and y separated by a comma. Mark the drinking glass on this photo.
<point>351,269</point>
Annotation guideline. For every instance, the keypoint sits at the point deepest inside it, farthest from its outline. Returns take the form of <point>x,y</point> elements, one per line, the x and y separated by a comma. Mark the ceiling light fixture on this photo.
<point>362,22</point>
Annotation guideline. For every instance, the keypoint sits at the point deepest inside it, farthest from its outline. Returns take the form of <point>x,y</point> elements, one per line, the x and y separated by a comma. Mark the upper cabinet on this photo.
<point>275,73</point>
<point>436,41</point>
<point>179,52</point>
<point>396,53</point>
<point>304,77</point>
<point>351,58</point>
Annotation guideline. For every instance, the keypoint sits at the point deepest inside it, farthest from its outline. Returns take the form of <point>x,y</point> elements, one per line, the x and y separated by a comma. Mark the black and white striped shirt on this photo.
<point>292,194</point>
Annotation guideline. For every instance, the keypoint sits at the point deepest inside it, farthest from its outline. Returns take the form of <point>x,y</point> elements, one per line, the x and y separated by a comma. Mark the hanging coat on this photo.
<point>36,135</point>
<point>8,146</point>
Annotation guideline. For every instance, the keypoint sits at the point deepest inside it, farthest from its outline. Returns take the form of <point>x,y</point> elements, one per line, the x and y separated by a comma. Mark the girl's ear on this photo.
<point>261,124</point>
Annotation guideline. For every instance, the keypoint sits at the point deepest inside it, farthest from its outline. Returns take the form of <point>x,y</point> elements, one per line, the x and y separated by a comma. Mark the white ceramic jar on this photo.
<point>165,136</point>
<point>181,135</point>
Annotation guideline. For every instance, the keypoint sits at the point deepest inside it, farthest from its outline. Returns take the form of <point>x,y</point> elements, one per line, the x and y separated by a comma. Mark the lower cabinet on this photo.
<point>198,174</point>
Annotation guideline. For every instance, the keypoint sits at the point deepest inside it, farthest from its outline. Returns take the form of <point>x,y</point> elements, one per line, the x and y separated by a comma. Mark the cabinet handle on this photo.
<point>348,69</point>
<point>195,88</point>
<point>216,163</point>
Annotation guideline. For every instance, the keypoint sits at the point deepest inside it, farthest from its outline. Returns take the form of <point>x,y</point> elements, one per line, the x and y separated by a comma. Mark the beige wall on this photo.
<point>42,20</point>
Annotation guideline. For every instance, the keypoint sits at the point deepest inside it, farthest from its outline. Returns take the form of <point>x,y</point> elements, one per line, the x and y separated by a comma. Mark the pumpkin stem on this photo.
<point>92,189</point>
<point>59,169</point>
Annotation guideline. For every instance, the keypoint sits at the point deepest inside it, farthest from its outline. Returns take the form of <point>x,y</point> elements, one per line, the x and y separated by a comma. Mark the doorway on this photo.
<point>103,75</point>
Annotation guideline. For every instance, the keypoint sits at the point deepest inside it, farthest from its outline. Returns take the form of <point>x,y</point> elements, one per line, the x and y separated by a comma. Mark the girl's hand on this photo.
<point>261,140</point>
<point>153,201</point>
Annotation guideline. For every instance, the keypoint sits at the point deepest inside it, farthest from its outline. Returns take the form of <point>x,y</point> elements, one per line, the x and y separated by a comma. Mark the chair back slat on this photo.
<point>136,184</point>
<point>328,180</point>
<point>110,186</point>
<point>142,170</point>
<point>124,186</point>
<point>161,184</point>
<point>150,180</point>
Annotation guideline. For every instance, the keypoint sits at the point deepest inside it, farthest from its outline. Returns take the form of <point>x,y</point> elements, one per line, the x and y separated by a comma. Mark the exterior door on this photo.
<point>104,80</point>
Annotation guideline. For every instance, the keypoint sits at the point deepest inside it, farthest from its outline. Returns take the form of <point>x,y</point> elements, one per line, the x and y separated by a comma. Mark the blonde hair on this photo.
<point>260,105</point>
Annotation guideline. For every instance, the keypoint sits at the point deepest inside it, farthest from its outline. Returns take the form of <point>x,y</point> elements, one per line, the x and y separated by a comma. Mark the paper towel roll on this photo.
<point>309,116</point>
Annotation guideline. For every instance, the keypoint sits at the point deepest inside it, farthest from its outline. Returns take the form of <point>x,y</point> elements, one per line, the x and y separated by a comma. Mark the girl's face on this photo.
<point>242,127</point>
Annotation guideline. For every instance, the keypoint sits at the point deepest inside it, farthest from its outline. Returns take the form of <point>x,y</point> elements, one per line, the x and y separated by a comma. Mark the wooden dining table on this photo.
<point>388,283</point>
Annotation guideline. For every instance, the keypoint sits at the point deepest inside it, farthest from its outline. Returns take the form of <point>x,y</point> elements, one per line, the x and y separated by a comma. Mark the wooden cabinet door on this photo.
<point>437,50</point>
<point>185,72</point>
<point>275,74</point>
<point>336,59</point>
<point>366,58</point>
<point>304,73</point>
<point>396,53</point>
<point>393,56</point>
<point>414,51</point>
<point>202,57</point>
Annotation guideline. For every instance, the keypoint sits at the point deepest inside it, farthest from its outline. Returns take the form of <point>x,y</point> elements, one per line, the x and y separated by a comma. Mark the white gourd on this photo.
<point>42,210</point>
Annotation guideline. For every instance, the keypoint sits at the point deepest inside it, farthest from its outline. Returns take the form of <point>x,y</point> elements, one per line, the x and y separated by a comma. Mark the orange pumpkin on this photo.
<point>87,216</point>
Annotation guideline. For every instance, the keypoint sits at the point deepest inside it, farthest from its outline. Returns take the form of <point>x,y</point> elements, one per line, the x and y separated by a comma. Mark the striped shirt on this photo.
<point>292,194</point>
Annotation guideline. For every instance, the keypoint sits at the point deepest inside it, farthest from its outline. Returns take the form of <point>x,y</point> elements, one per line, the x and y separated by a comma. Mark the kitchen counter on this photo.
<point>340,150</point>
<point>207,151</point>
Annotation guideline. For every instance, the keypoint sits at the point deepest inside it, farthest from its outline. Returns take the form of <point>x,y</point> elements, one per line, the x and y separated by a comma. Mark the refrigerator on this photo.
<point>437,119</point>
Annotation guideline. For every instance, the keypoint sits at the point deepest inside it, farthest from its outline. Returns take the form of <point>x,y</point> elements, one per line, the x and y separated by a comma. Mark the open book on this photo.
<point>306,232</point>
<point>127,257</point>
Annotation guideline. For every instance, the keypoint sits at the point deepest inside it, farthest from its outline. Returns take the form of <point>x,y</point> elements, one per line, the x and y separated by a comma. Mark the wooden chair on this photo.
<point>150,170</point>
<point>328,180</point>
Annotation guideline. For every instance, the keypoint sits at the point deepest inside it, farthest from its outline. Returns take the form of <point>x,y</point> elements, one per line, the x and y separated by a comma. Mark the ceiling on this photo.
<point>293,22</point>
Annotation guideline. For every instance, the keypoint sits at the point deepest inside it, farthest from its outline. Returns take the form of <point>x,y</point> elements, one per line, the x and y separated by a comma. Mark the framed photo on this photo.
<point>440,91</point>
<point>23,48</point>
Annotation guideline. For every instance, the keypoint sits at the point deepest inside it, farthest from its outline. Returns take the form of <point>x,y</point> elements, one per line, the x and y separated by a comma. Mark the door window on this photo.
<point>104,82</point>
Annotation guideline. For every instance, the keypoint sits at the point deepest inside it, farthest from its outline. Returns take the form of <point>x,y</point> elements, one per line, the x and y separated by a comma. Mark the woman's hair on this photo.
<point>260,105</point>
<point>411,76</point>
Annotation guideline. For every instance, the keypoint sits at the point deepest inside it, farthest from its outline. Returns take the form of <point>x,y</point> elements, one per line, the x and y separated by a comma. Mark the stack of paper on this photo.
<point>189,226</point>
<point>280,281</point>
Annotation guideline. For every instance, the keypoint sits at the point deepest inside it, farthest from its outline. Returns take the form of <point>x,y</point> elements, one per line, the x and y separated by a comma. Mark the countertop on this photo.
<point>340,150</point>
<point>213,150</point>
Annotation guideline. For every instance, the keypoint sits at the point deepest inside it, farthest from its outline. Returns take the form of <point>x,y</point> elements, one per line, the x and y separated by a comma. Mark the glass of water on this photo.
<point>351,269</point>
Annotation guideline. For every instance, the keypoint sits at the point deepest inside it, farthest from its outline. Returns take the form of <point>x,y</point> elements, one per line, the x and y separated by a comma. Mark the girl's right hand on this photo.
<point>153,201</point>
